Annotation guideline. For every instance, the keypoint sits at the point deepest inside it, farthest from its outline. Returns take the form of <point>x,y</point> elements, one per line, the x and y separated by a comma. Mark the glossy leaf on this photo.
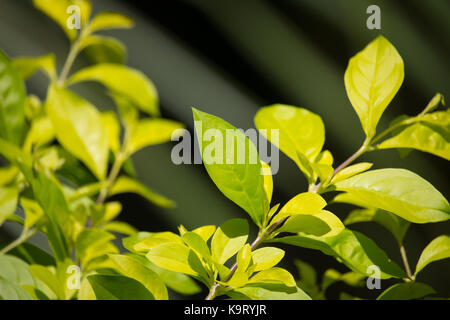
<point>421,137</point>
<point>372,79</point>
<point>111,287</point>
<point>79,128</point>
<point>303,203</point>
<point>269,292</point>
<point>93,243</point>
<point>350,171</point>
<point>8,203</point>
<point>229,238</point>
<point>12,102</point>
<point>354,249</point>
<point>398,191</point>
<point>126,82</point>
<point>196,243</point>
<point>27,66</point>
<point>205,232</point>
<point>300,131</point>
<point>438,249</point>
<point>240,181</point>
<point>102,49</point>
<point>112,125</point>
<point>149,132</point>
<point>110,20</point>
<point>128,185</point>
<point>396,225</point>
<point>406,291</point>
<point>266,258</point>
<point>243,258</point>
<point>274,275</point>
<point>132,268</point>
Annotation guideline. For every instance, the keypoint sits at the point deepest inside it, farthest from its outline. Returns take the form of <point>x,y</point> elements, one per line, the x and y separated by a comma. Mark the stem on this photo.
<point>111,178</point>
<point>405,262</point>
<point>74,50</point>
<point>344,164</point>
<point>260,239</point>
<point>22,238</point>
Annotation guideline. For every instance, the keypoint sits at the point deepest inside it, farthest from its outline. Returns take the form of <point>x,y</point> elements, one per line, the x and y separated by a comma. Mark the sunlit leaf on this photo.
<point>438,249</point>
<point>102,49</point>
<point>110,20</point>
<point>372,79</point>
<point>27,66</point>
<point>8,203</point>
<point>229,238</point>
<point>266,258</point>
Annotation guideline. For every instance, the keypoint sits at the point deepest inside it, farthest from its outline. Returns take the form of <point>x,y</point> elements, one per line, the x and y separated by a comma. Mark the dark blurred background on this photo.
<point>229,58</point>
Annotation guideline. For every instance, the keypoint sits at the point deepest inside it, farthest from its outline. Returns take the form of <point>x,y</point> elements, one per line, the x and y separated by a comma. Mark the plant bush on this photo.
<point>66,158</point>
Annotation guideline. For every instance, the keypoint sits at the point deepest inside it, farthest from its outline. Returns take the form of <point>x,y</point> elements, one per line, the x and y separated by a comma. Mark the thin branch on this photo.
<point>405,262</point>
<point>22,238</point>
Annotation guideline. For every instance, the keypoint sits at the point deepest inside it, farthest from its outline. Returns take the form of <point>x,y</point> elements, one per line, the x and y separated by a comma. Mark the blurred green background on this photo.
<point>229,58</point>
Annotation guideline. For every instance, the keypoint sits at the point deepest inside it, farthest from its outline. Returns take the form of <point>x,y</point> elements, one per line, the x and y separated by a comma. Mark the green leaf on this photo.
<point>196,243</point>
<point>8,203</point>
<point>15,270</point>
<point>102,49</point>
<point>266,258</point>
<point>274,275</point>
<point>132,268</point>
<point>434,103</point>
<point>235,167</point>
<point>12,102</point>
<point>125,185</point>
<point>112,125</point>
<point>149,132</point>
<point>372,79</point>
<point>243,259</point>
<point>323,223</point>
<point>79,128</point>
<point>8,174</point>
<point>268,292</point>
<point>125,82</point>
<point>307,280</point>
<point>120,227</point>
<point>205,232</point>
<point>93,243</point>
<point>228,239</point>
<point>176,257</point>
<point>398,191</point>
<point>303,203</point>
<point>40,133</point>
<point>12,291</point>
<point>110,20</point>
<point>57,11</point>
<point>48,276</point>
<point>352,248</point>
<point>331,276</point>
<point>300,131</point>
<point>350,171</point>
<point>268,181</point>
<point>27,66</point>
<point>32,254</point>
<point>422,137</point>
<point>438,249</point>
<point>109,287</point>
<point>396,225</point>
<point>178,282</point>
<point>406,291</point>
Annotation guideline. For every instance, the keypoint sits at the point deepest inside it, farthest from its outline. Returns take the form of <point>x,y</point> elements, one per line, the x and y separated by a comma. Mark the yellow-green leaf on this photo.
<point>79,128</point>
<point>112,125</point>
<point>110,20</point>
<point>274,275</point>
<point>266,258</point>
<point>372,79</point>
<point>229,238</point>
<point>8,202</point>
<point>102,49</point>
<point>27,66</point>
<point>350,171</point>
<point>303,203</point>
<point>438,249</point>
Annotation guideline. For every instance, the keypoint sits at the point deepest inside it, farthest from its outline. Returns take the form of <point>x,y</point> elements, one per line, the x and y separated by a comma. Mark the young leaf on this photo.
<point>422,137</point>
<point>93,243</point>
<point>12,102</point>
<point>354,249</point>
<point>176,257</point>
<point>205,232</point>
<point>331,276</point>
<point>398,191</point>
<point>229,238</point>
<point>266,258</point>
<point>112,125</point>
<point>110,20</point>
<point>438,249</point>
<point>109,287</point>
<point>120,227</point>
<point>102,49</point>
<point>125,184</point>
<point>303,203</point>
<point>396,225</point>
<point>406,291</point>
<point>240,181</point>
<point>350,171</point>
<point>268,181</point>
<point>323,223</point>
<point>123,81</point>
<point>372,79</point>
<point>243,259</point>
<point>300,131</point>
<point>196,243</point>
<point>268,292</point>
<point>274,275</point>
<point>149,132</point>
<point>8,203</point>
<point>79,128</point>
<point>27,66</point>
<point>57,11</point>
<point>132,268</point>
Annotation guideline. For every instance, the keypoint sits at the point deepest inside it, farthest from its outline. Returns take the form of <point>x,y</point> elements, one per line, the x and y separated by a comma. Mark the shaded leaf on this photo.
<point>109,287</point>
